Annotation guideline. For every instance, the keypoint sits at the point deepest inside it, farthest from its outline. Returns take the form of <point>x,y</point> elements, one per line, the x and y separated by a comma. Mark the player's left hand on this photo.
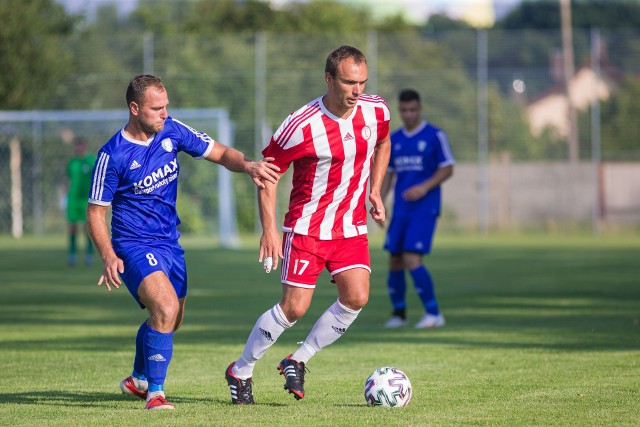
<point>414,193</point>
<point>377,208</point>
<point>263,170</point>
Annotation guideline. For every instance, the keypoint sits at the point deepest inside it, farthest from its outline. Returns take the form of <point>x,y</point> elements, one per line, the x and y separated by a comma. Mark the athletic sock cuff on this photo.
<point>417,269</point>
<point>160,340</point>
<point>280,317</point>
<point>343,313</point>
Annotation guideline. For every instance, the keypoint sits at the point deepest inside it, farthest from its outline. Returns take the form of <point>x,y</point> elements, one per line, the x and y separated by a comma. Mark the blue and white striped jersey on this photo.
<point>139,179</point>
<point>415,157</point>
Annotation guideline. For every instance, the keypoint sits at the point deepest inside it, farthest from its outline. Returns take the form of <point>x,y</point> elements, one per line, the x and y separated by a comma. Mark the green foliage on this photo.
<point>439,23</point>
<point>428,67</point>
<point>508,128</point>
<point>206,53</point>
<point>618,122</point>
<point>326,17</point>
<point>229,16</point>
<point>190,213</point>
<point>32,59</point>
<point>620,126</point>
<point>585,14</point>
<point>105,54</point>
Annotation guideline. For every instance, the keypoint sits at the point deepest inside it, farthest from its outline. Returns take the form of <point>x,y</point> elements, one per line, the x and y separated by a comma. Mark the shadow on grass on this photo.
<point>99,400</point>
<point>80,398</point>
<point>566,300</point>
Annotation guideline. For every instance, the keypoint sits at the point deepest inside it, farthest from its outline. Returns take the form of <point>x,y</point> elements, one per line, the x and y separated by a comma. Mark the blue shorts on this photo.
<point>413,233</point>
<point>140,261</point>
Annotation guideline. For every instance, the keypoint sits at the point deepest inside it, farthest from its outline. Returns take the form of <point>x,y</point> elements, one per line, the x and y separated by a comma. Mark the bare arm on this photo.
<point>270,244</point>
<point>232,159</point>
<point>97,226</point>
<point>420,190</point>
<point>378,169</point>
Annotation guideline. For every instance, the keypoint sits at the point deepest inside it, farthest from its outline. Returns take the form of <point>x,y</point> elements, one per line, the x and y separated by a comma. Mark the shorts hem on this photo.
<point>298,285</point>
<point>350,267</point>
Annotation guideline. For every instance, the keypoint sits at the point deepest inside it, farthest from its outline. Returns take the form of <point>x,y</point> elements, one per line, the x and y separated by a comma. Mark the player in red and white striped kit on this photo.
<point>337,144</point>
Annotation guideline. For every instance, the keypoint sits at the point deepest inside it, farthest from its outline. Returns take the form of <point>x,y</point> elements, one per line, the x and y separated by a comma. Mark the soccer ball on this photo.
<point>388,387</point>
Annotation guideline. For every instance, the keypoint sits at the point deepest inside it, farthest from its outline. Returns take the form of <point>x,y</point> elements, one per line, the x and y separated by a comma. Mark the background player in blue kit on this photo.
<point>136,173</point>
<point>421,160</point>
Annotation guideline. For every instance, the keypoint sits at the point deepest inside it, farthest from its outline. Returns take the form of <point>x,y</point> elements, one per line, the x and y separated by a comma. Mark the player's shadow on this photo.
<point>95,400</point>
<point>76,398</point>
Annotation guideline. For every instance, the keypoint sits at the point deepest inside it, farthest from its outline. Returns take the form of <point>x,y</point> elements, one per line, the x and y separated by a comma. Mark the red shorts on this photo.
<point>305,257</point>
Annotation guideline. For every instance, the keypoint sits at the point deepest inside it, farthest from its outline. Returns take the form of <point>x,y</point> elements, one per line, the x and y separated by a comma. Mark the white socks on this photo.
<point>329,327</point>
<point>266,331</point>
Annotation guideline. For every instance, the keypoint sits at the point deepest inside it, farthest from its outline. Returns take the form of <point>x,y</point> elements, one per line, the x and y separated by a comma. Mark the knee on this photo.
<point>293,311</point>
<point>411,263</point>
<point>395,263</point>
<point>355,302</point>
<point>165,317</point>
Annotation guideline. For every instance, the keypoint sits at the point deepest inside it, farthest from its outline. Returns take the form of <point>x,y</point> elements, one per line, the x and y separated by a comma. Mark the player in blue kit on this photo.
<point>136,173</point>
<point>421,160</point>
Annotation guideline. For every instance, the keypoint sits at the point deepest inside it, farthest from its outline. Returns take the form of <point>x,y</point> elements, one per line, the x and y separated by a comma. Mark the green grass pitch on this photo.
<point>540,331</point>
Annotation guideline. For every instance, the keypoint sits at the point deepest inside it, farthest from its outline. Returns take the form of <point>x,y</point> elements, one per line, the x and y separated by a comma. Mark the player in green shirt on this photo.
<point>79,174</point>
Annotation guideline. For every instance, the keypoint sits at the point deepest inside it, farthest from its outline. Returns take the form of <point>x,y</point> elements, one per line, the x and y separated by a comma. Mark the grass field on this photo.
<point>540,331</point>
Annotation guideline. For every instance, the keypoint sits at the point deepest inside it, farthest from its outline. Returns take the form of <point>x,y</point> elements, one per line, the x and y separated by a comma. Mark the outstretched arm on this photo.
<point>260,171</point>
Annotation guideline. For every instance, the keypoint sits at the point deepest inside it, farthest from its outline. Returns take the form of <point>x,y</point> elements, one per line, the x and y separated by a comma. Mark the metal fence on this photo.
<point>503,108</point>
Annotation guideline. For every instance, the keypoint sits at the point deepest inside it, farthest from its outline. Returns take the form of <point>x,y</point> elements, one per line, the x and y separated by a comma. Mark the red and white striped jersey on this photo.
<point>332,160</point>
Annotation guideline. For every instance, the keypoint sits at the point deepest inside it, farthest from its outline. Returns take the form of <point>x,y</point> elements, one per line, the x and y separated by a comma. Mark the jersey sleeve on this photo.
<point>283,156</point>
<point>104,179</point>
<point>286,145</point>
<point>197,144</point>
<point>383,114</point>
<point>383,129</point>
<point>445,156</point>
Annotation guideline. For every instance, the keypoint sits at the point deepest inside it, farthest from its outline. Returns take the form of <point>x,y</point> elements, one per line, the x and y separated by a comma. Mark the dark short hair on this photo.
<point>340,54</point>
<point>408,95</point>
<point>139,85</point>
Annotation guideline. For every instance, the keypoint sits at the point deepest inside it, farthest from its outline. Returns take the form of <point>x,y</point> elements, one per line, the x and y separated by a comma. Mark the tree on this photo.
<point>32,59</point>
<point>619,125</point>
<point>585,14</point>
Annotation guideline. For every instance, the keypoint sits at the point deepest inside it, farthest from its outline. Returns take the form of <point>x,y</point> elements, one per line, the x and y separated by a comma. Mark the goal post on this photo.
<point>45,139</point>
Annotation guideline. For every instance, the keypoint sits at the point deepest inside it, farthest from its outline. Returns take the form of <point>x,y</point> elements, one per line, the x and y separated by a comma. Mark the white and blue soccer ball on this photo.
<point>388,387</point>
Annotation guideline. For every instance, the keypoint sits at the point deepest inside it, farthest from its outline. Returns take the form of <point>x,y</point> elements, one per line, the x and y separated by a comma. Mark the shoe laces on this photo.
<point>300,369</point>
<point>244,390</point>
<point>160,399</point>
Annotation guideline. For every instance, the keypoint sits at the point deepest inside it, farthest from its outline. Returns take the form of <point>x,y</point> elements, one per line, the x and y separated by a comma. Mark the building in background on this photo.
<point>550,109</point>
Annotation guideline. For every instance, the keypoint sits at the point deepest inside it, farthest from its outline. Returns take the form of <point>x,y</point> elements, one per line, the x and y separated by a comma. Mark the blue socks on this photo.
<point>158,349</point>
<point>397,289</point>
<point>139,370</point>
<point>424,286</point>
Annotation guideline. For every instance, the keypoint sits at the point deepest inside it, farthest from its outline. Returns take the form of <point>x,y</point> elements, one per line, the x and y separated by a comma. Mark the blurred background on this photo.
<point>539,99</point>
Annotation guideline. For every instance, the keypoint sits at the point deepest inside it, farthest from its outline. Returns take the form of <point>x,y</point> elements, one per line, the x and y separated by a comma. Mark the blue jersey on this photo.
<point>139,179</point>
<point>415,157</point>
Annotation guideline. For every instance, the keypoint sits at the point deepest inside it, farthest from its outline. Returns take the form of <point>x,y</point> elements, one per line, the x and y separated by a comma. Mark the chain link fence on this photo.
<point>504,108</point>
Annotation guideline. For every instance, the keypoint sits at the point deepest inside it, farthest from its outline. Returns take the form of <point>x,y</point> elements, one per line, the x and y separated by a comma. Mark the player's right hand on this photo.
<point>270,251</point>
<point>263,170</point>
<point>111,274</point>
